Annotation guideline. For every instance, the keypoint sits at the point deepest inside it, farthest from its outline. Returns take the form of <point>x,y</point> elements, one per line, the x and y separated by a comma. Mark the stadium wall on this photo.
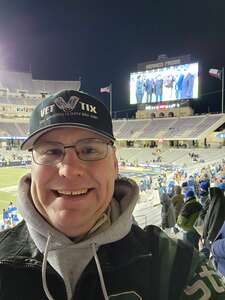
<point>157,112</point>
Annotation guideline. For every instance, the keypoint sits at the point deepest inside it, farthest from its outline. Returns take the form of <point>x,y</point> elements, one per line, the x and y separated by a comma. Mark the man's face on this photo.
<point>73,194</point>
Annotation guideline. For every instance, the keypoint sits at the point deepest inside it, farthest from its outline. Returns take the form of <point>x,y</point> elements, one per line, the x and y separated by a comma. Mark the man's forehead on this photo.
<point>69,133</point>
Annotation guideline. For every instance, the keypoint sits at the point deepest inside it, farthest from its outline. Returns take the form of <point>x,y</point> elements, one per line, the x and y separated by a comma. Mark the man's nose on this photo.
<point>71,164</point>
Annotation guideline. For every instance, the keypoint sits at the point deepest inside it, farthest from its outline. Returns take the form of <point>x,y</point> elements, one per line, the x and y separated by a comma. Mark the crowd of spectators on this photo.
<point>193,204</point>
<point>12,159</point>
<point>10,217</point>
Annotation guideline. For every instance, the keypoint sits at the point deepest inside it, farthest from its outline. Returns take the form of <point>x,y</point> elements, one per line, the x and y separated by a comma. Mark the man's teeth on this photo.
<point>69,193</point>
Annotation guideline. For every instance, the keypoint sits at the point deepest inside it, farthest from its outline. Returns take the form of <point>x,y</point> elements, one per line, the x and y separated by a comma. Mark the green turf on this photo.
<point>9,177</point>
<point>5,198</point>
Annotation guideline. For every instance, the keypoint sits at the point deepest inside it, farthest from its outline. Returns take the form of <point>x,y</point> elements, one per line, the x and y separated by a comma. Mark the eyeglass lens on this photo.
<point>53,152</point>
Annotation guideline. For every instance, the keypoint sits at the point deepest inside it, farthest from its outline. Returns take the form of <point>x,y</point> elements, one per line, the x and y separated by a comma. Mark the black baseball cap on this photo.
<point>69,108</point>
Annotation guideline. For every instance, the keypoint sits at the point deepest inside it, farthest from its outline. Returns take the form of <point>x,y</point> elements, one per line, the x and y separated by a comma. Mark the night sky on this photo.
<point>103,41</point>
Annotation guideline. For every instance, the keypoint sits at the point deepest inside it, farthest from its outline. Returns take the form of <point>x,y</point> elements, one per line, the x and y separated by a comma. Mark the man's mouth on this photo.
<point>80,192</point>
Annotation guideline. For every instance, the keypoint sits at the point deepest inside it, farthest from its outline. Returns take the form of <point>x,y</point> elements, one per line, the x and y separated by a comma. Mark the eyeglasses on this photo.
<point>52,153</point>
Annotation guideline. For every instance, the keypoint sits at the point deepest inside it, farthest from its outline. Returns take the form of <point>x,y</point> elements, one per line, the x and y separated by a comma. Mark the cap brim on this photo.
<point>29,142</point>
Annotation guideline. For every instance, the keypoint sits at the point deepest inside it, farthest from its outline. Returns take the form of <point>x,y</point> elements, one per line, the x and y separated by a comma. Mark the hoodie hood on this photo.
<point>67,257</point>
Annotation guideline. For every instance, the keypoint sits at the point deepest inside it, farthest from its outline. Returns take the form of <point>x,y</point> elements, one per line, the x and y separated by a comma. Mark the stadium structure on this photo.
<point>163,133</point>
<point>166,130</point>
<point>19,94</point>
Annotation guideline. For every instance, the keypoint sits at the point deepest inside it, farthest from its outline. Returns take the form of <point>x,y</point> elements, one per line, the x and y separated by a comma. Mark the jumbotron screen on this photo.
<point>171,83</point>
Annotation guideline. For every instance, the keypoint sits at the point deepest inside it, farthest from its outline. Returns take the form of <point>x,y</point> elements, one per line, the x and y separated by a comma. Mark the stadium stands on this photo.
<point>17,99</point>
<point>10,128</point>
<point>156,129</point>
<point>53,86</point>
<point>171,156</point>
<point>206,123</point>
<point>185,128</point>
<point>124,131</point>
<point>21,81</point>
<point>19,93</point>
<point>14,81</point>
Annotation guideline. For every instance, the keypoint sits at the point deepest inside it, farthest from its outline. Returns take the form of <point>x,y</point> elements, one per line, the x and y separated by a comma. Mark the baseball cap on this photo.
<point>221,186</point>
<point>184,184</point>
<point>189,194</point>
<point>204,185</point>
<point>69,108</point>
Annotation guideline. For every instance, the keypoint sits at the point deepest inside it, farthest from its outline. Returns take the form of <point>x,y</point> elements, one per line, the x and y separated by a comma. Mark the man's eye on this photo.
<point>89,150</point>
<point>55,152</point>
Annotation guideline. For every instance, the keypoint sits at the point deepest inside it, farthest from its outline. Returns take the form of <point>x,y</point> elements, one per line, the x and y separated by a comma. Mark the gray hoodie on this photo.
<point>67,257</point>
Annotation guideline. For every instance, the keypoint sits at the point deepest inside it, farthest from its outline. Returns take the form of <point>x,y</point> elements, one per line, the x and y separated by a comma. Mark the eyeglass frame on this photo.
<point>107,143</point>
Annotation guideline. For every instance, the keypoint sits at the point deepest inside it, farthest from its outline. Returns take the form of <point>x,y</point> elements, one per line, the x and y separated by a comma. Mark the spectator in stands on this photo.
<point>142,186</point>
<point>170,187</point>
<point>221,185</point>
<point>187,218</point>
<point>15,220</point>
<point>6,219</point>
<point>177,200</point>
<point>184,187</point>
<point>191,183</point>
<point>167,211</point>
<point>11,209</point>
<point>148,181</point>
<point>204,193</point>
<point>78,239</point>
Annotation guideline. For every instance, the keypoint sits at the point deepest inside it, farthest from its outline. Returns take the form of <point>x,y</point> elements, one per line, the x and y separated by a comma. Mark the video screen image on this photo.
<point>166,84</point>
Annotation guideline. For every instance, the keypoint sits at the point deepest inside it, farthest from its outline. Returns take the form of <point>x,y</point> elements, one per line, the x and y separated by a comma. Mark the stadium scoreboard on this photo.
<point>166,84</point>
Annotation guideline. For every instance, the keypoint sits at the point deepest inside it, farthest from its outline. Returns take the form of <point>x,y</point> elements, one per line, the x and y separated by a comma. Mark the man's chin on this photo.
<point>69,223</point>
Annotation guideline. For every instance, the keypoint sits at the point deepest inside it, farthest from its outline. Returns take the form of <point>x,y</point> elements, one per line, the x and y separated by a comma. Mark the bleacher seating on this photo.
<point>206,122</point>
<point>53,86</point>
<point>132,130</point>
<point>172,156</point>
<point>185,128</point>
<point>15,81</point>
<point>155,129</point>
<point>13,129</point>
<point>19,100</point>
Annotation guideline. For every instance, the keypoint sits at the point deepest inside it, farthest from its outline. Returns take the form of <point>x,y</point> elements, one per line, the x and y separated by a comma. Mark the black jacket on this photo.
<point>145,263</point>
<point>215,215</point>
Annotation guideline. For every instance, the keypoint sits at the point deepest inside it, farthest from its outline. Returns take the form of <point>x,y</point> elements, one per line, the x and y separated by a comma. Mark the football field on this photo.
<point>9,178</point>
